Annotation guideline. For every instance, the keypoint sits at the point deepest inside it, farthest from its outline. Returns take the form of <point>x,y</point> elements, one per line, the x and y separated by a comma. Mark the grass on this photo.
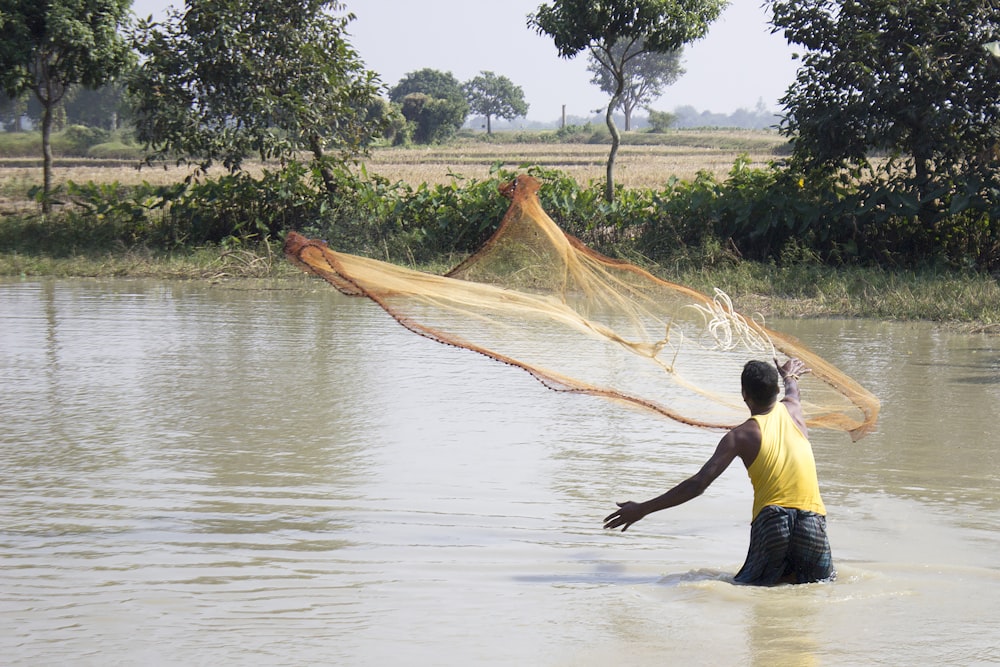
<point>969,301</point>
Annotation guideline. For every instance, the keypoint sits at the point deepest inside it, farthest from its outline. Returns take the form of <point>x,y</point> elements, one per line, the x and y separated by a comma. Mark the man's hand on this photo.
<point>793,368</point>
<point>626,514</point>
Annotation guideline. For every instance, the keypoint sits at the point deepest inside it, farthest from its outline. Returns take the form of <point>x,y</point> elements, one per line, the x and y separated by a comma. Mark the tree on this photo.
<point>495,96</point>
<point>660,121</point>
<point>433,101</point>
<point>100,107</point>
<point>47,47</point>
<point>659,26</point>
<point>646,74</point>
<point>431,82</point>
<point>911,80</point>
<point>225,79</point>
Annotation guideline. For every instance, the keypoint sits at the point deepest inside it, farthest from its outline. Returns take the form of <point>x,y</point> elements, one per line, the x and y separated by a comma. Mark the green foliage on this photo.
<point>94,218</point>
<point>240,206</point>
<point>644,74</point>
<point>103,107</point>
<point>225,79</point>
<point>432,119</point>
<point>773,215</point>
<point>79,138</point>
<point>431,82</point>
<point>495,96</point>
<point>389,116</point>
<point>116,149</point>
<point>20,144</point>
<point>660,121</point>
<point>433,102</point>
<point>617,33</point>
<point>48,47</point>
<point>910,81</point>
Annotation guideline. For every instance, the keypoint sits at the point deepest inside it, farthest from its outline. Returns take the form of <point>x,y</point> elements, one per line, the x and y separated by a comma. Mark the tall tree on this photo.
<point>224,79</point>
<point>646,75</point>
<point>433,102</point>
<point>100,107</point>
<point>495,96</point>
<point>431,82</point>
<point>909,79</point>
<point>49,46</point>
<point>628,27</point>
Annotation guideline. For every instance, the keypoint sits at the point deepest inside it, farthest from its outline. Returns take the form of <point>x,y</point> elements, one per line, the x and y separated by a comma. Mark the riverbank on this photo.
<point>971,301</point>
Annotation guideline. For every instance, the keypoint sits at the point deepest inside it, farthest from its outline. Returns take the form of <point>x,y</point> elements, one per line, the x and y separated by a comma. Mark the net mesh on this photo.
<point>537,298</point>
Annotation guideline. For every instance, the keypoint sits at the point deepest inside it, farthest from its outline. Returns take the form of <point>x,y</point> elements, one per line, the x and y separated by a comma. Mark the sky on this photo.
<point>737,65</point>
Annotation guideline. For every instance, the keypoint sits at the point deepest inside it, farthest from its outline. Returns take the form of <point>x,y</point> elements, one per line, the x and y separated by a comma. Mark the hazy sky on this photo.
<point>736,65</point>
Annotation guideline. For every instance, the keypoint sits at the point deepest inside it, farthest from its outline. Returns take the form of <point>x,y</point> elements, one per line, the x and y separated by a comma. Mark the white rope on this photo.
<point>730,329</point>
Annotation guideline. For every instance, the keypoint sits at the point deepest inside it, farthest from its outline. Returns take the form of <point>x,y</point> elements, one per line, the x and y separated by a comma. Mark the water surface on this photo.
<point>199,474</point>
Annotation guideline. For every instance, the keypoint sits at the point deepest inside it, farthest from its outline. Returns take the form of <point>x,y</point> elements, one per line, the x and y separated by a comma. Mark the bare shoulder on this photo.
<point>745,440</point>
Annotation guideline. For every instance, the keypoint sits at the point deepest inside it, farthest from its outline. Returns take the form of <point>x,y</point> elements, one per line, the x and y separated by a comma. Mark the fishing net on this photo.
<point>537,298</point>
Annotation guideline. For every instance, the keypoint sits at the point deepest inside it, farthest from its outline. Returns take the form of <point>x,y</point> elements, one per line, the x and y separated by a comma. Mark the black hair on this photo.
<point>760,382</point>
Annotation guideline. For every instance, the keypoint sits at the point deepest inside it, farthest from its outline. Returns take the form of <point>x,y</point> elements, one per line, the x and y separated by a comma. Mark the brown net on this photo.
<point>537,298</point>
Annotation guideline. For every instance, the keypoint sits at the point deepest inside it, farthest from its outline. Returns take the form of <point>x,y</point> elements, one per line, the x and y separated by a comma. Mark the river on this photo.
<point>224,475</point>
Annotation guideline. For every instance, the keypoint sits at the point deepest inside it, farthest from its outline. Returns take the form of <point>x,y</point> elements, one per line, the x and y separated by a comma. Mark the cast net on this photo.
<point>537,298</point>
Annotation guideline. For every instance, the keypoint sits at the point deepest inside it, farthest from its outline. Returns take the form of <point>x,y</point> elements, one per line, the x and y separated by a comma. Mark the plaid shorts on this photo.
<point>787,545</point>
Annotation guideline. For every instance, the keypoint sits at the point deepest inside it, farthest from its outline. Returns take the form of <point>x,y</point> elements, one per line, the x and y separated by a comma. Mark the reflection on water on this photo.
<point>210,475</point>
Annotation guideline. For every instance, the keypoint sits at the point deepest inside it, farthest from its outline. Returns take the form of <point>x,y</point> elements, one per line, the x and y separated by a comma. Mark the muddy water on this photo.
<point>198,474</point>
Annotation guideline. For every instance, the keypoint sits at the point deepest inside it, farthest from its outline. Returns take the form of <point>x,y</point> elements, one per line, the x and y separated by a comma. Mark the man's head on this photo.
<point>760,382</point>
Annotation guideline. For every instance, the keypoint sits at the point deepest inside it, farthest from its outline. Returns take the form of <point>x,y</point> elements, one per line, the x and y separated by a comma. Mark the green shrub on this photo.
<point>116,150</point>
<point>77,139</point>
<point>20,144</point>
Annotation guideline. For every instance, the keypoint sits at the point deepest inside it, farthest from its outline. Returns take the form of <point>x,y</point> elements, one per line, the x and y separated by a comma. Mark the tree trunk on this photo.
<point>46,157</point>
<point>45,91</point>
<point>616,139</point>
<point>329,181</point>
<point>489,125</point>
<point>926,210</point>
<point>49,92</point>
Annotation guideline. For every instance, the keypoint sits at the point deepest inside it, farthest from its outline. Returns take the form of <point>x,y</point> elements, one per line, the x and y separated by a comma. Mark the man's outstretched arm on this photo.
<point>728,449</point>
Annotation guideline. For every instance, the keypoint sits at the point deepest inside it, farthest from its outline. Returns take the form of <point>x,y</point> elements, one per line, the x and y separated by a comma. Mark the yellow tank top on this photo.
<point>784,472</point>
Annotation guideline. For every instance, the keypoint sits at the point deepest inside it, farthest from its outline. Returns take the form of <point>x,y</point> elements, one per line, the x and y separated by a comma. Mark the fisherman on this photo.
<point>788,542</point>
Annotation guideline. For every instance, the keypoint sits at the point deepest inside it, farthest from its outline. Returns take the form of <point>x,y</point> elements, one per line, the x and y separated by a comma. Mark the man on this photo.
<point>788,542</point>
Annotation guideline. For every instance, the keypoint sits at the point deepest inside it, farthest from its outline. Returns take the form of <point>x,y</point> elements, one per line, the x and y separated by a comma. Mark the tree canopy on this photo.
<point>495,96</point>
<point>628,28</point>
<point>913,81</point>
<point>646,75</point>
<point>47,47</point>
<point>431,82</point>
<point>224,79</point>
<point>433,102</point>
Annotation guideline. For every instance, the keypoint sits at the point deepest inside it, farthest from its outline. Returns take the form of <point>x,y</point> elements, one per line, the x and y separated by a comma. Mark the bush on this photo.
<point>77,139</point>
<point>660,121</point>
<point>116,150</point>
<point>20,144</point>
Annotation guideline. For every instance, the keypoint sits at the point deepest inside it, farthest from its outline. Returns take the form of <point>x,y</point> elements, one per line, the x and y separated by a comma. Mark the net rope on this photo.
<point>537,298</point>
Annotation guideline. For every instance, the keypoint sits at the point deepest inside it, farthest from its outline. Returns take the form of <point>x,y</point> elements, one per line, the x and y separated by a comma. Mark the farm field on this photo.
<point>636,166</point>
<point>679,155</point>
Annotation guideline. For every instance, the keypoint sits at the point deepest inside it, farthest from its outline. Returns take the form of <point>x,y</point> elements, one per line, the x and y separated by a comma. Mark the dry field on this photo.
<point>635,166</point>
<point>638,166</point>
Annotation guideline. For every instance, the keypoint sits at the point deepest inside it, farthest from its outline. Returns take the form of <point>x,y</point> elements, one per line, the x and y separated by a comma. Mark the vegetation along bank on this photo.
<point>877,195</point>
